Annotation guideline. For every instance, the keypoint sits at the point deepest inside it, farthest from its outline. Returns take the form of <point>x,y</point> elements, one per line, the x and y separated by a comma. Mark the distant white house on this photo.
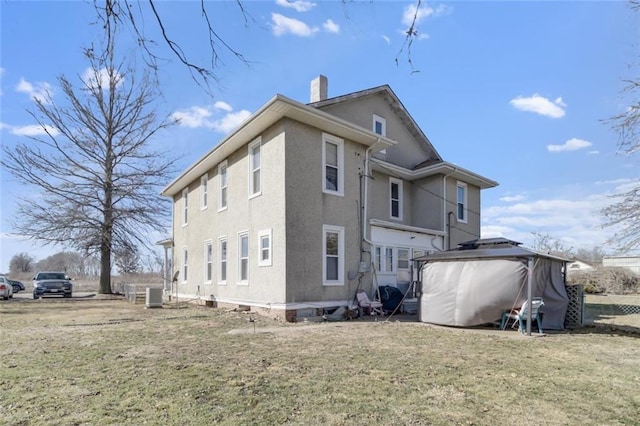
<point>578,266</point>
<point>631,263</point>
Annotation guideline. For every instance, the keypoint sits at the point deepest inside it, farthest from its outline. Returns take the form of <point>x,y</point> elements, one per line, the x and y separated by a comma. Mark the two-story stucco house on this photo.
<point>303,204</point>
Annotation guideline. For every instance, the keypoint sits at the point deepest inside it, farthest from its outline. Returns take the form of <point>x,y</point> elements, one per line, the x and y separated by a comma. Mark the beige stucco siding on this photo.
<point>427,203</point>
<point>407,153</point>
<point>243,214</point>
<point>309,208</point>
<point>469,230</point>
<point>379,199</point>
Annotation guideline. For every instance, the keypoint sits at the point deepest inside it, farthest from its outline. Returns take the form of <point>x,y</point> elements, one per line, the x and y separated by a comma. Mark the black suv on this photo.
<point>51,284</point>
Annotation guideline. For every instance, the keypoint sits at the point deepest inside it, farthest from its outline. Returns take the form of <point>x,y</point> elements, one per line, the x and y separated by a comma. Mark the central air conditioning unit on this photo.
<point>154,298</point>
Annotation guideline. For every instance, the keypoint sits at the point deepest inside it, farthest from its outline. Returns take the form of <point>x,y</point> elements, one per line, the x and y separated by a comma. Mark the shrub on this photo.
<point>610,280</point>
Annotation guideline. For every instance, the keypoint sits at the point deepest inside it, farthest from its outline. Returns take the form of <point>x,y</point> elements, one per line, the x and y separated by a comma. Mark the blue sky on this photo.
<point>515,91</point>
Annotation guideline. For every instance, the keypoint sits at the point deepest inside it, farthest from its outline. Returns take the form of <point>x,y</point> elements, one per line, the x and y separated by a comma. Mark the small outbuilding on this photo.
<point>475,283</point>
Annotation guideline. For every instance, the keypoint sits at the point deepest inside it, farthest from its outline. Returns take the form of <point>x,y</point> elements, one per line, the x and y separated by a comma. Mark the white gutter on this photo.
<point>435,169</point>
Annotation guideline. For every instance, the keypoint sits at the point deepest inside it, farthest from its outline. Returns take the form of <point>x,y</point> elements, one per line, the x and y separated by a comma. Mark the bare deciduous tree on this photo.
<point>135,14</point>
<point>625,211</point>
<point>98,178</point>
<point>20,263</point>
<point>545,243</point>
<point>127,260</point>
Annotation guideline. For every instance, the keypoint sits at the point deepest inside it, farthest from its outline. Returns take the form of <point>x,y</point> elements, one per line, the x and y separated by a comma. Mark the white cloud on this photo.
<point>194,117</point>
<point>571,217</point>
<point>512,198</point>
<point>203,117</point>
<point>230,121</point>
<point>298,5</point>
<point>595,152</point>
<point>540,105</point>
<point>34,130</point>
<point>331,26</point>
<point>573,144</point>
<point>387,39</point>
<point>423,12</point>
<point>410,12</point>
<point>94,79</point>
<point>615,181</point>
<point>223,106</point>
<point>283,25</point>
<point>41,91</point>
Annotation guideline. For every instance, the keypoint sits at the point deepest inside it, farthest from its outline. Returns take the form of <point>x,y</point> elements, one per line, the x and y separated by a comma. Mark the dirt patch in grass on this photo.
<point>110,362</point>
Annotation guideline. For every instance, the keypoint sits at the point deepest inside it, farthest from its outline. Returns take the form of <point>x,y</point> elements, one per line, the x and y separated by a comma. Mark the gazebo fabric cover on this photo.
<point>476,291</point>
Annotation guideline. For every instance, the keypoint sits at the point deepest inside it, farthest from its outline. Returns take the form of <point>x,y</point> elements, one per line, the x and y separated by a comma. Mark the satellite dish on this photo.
<point>175,276</point>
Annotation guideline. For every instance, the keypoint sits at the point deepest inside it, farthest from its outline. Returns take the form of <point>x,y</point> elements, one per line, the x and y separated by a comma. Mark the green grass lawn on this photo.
<point>110,362</point>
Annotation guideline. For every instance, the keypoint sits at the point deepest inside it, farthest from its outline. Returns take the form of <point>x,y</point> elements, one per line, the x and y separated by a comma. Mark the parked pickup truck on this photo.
<point>51,284</point>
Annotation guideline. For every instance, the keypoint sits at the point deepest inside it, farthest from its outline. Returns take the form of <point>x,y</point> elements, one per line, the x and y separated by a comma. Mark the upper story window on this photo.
<point>461,193</point>
<point>222,175</point>
<point>380,128</point>
<point>204,192</point>
<point>255,187</point>
<point>379,125</point>
<point>395,201</point>
<point>185,206</point>
<point>333,259</point>
<point>333,165</point>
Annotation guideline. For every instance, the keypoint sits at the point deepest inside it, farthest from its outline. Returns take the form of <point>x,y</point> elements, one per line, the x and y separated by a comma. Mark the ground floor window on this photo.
<point>333,258</point>
<point>185,264</point>
<point>222,260</point>
<point>264,248</point>
<point>208,261</point>
<point>243,257</point>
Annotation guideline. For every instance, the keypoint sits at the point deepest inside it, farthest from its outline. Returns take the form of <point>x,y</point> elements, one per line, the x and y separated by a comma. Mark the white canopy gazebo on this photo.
<point>475,283</point>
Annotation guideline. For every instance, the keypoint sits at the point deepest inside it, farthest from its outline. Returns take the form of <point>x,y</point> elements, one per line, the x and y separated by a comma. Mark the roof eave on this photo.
<point>275,109</point>
<point>443,168</point>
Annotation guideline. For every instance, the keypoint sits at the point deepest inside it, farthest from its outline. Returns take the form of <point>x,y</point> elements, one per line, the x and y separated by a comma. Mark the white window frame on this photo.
<point>377,258</point>
<point>185,264</point>
<point>265,233</point>
<point>185,207</point>
<point>252,171</point>
<point>223,186</point>
<point>326,229</point>
<point>389,253</point>
<point>383,125</point>
<point>330,139</point>
<point>400,200</point>
<point>208,261</point>
<point>241,258</point>
<point>408,258</point>
<point>204,192</point>
<point>463,203</point>
<point>223,261</point>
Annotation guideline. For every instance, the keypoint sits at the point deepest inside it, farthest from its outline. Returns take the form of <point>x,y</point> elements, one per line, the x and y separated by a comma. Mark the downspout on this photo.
<point>449,230</point>
<point>444,207</point>
<point>365,203</point>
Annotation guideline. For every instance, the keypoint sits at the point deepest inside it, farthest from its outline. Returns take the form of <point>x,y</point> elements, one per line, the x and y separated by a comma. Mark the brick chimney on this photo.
<point>319,88</point>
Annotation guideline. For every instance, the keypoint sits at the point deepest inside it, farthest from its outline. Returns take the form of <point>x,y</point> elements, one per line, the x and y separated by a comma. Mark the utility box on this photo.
<point>153,298</point>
